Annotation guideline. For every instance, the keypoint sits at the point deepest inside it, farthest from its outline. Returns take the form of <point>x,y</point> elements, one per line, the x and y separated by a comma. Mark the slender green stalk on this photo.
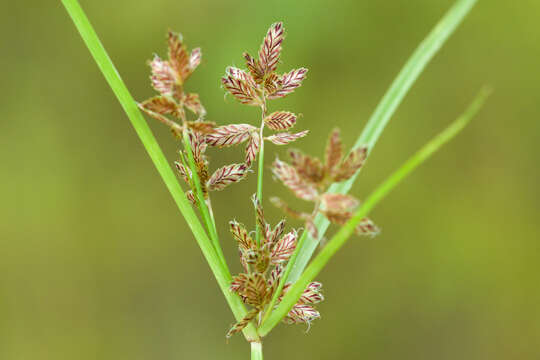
<point>260,175</point>
<point>203,207</point>
<point>154,151</point>
<point>256,351</point>
<point>376,196</point>
<point>384,111</point>
<point>260,172</point>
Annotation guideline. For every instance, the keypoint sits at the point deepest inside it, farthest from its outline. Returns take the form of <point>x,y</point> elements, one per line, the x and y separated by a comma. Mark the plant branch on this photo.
<point>376,196</point>
<point>384,111</point>
<point>154,151</point>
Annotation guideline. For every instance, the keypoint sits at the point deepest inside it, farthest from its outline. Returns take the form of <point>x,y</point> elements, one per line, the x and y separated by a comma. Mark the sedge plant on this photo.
<point>278,280</point>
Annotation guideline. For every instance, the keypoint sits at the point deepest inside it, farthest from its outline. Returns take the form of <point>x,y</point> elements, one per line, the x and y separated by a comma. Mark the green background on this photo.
<point>97,263</point>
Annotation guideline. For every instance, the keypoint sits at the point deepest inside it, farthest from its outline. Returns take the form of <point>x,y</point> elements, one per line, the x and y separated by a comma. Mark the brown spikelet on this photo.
<point>365,227</point>
<point>312,294</point>
<point>338,202</point>
<point>242,86</point>
<point>302,313</point>
<point>288,83</point>
<point>239,326</point>
<point>285,138</point>
<point>261,222</point>
<point>334,152</point>
<point>352,163</point>
<point>163,78</point>
<point>272,235</point>
<point>275,276</point>
<point>283,249</point>
<point>255,291</point>
<point>230,135</point>
<point>178,57</point>
<point>254,68</point>
<point>309,168</point>
<point>252,148</point>
<point>238,283</point>
<point>289,177</point>
<point>190,197</point>
<point>271,48</point>
<point>184,172</point>
<point>272,83</point>
<point>312,229</point>
<point>240,234</point>
<point>202,127</point>
<point>195,59</point>
<point>226,175</point>
<point>193,103</point>
<point>280,120</point>
<point>161,105</point>
<point>198,147</point>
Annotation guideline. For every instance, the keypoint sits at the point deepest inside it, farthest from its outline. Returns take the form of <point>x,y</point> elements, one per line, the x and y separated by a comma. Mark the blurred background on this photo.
<point>96,261</point>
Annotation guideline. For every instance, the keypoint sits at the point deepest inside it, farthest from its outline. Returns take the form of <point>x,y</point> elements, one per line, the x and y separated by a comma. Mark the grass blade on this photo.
<point>385,109</point>
<point>154,151</point>
<point>376,196</point>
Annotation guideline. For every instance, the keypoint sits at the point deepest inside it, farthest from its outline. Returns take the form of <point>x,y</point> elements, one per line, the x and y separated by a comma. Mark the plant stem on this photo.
<point>156,155</point>
<point>260,173</point>
<point>256,350</point>
<point>338,240</point>
<point>384,111</point>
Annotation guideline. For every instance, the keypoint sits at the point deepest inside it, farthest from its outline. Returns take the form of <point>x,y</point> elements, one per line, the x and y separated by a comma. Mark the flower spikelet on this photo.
<point>168,78</point>
<point>309,179</point>
<point>264,265</point>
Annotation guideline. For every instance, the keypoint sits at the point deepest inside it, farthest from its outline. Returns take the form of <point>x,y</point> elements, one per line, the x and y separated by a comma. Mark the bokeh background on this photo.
<point>96,261</point>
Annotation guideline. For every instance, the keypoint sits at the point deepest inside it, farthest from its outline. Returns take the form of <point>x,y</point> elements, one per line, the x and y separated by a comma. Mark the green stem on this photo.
<point>385,109</point>
<point>260,173</point>
<point>256,351</point>
<point>376,196</point>
<point>156,155</point>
